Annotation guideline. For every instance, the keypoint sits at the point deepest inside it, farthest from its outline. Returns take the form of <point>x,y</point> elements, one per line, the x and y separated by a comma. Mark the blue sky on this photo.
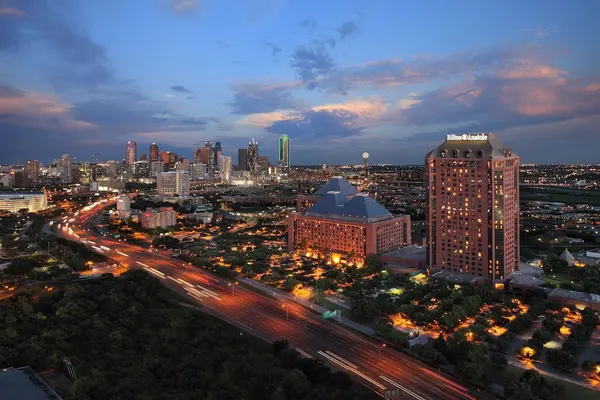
<point>339,77</point>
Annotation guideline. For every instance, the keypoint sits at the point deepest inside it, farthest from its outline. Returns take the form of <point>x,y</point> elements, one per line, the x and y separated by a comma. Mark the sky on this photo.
<point>339,77</point>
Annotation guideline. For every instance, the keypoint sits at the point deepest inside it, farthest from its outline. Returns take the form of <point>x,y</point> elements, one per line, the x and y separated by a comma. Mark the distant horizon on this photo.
<point>387,77</point>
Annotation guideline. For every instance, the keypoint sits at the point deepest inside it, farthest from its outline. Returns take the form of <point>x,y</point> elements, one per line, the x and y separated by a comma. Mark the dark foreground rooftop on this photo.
<point>24,384</point>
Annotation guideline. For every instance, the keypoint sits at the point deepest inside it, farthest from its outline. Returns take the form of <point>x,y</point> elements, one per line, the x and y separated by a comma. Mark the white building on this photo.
<point>595,253</point>
<point>7,180</point>
<point>161,218</point>
<point>197,171</point>
<point>124,206</point>
<point>224,165</point>
<point>13,202</point>
<point>156,168</point>
<point>173,182</point>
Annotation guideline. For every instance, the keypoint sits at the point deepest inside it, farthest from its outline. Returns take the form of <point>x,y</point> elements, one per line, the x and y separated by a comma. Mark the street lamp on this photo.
<point>287,312</point>
<point>232,287</point>
<point>381,349</point>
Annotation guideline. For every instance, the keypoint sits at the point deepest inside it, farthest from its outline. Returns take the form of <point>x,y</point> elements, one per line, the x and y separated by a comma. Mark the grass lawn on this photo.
<point>572,391</point>
<point>560,279</point>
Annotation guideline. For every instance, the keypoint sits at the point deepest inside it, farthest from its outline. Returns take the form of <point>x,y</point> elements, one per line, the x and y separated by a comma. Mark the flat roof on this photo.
<point>17,194</point>
<point>573,295</point>
<point>454,277</point>
<point>411,252</point>
<point>24,383</point>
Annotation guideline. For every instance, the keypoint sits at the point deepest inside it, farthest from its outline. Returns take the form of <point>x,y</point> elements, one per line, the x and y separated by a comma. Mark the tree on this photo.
<point>364,307</point>
<point>553,264</point>
<point>21,266</point>
<point>561,359</point>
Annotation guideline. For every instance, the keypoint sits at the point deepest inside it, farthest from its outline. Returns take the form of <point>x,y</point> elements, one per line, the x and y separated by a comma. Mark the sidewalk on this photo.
<point>307,303</point>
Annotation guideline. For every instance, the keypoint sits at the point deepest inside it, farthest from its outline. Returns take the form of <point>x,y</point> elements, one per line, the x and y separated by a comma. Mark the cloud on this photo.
<point>12,12</point>
<point>180,89</point>
<point>539,32</point>
<point>78,58</point>
<point>348,29</point>
<point>251,98</point>
<point>275,50</point>
<point>184,6</point>
<point>393,72</point>
<point>309,23</point>
<point>311,62</point>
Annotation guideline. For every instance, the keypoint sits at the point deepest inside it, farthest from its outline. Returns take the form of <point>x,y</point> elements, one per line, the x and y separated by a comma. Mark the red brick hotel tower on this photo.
<point>473,207</point>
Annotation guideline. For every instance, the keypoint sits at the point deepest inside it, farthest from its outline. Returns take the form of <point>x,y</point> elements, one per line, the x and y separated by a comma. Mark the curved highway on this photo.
<point>384,370</point>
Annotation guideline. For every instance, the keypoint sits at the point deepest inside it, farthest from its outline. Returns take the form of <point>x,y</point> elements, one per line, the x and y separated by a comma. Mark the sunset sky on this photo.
<point>339,77</point>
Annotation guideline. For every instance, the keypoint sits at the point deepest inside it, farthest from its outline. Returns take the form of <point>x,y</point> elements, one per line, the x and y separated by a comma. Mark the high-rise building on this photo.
<point>154,152</point>
<point>173,158</point>
<point>225,168</point>
<point>164,156</point>
<point>253,156</point>
<point>196,155</point>
<point>183,165</point>
<point>218,150</point>
<point>123,203</point>
<point>242,160</point>
<point>156,167</point>
<point>210,163</point>
<point>130,154</point>
<point>144,157</point>
<point>141,169</point>
<point>32,171</point>
<point>473,207</point>
<point>64,168</point>
<point>203,156</point>
<point>284,153</point>
<point>344,222</point>
<point>197,171</point>
<point>173,182</point>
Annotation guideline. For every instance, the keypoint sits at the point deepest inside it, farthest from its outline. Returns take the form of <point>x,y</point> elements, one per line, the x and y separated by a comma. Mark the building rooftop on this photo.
<point>337,184</point>
<point>360,206</point>
<point>488,144</point>
<point>18,194</point>
<point>24,383</point>
<point>411,252</point>
<point>455,277</point>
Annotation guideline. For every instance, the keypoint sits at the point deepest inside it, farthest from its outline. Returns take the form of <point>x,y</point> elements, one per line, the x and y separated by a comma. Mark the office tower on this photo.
<point>197,171</point>
<point>196,155</point>
<point>141,169</point>
<point>242,160</point>
<point>154,152</point>
<point>473,207</point>
<point>130,154</point>
<point>284,153</point>
<point>164,156</point>
<point>32,171</point>
<point>210,163</point>
<point>173,158</point>
<point>183,165</point>
<point>173,182</point>
<point>64,168</point>
<point>156,167</point>
<point>144,157</point>
<point>253,156</point>
<point>123,203</point>
<point>218,150</point>
<point>343,222</point>
<point>224,168</point>
<point>203,156</point>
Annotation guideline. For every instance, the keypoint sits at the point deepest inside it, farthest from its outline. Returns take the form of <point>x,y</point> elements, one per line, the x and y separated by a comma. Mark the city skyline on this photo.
<point>330,80</point>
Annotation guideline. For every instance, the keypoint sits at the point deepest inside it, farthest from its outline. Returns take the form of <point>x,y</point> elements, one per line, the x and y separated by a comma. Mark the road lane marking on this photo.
<point>399,386</point>
<point>305,354</point>
<point>184,282</point>
<point>123,254</point>
<point>365,377</point>
<point>341,359</point>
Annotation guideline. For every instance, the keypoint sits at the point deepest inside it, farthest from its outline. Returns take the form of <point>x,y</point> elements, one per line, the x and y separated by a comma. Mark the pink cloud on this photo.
<point>12,12</point>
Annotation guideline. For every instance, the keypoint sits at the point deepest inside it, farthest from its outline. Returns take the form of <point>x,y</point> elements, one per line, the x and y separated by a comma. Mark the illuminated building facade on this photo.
<point>32,171</point>
<point>473,207</point>
<point>164,217</point>
<point>284,153</point>
<point>210,161</point>
<point>344,222</point>
<point>14,202</point>
<point>173,182</point>
<point>154,153</point>
<point>252,155</point>
<point>130,154</point>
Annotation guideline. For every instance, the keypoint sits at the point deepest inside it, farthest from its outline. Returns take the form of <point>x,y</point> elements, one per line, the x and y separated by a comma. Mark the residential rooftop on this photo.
<point>24,383</point>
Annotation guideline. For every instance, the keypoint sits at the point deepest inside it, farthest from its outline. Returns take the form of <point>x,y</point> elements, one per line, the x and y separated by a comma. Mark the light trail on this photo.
<point>365,377</point>
<point>405,390</point>
<point>123,254</point>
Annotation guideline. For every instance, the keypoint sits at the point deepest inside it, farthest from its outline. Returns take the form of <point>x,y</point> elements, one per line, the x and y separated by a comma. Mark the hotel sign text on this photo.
<point>467,136</point>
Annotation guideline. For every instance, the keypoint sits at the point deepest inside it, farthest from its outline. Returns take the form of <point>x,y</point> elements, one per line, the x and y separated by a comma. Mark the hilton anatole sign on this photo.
<point>467,136</point>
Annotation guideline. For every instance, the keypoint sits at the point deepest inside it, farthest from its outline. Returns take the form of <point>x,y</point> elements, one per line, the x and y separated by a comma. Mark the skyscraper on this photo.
<point>242,160</point>
<point>203,156</point>
<point>130,154</point>
<point>143,157</point>
<point>224,168</point>
<point>217,152</point>
<point>210,163</point>
<point>154,152</point>
<point>64,168</point>
<point>32,171</point>
<point>473,207</point>
<point>253,156</point>
<point>284,153</point>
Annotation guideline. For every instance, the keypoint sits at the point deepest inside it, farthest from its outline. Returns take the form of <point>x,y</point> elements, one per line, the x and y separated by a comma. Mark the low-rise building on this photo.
<point>24,383</point>
<point>16,201</point>
<point>164,217</point>
<point>347,224</point>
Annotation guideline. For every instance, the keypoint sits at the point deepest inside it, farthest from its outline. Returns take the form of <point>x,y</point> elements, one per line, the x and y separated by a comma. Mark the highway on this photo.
<point>382,369</point>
